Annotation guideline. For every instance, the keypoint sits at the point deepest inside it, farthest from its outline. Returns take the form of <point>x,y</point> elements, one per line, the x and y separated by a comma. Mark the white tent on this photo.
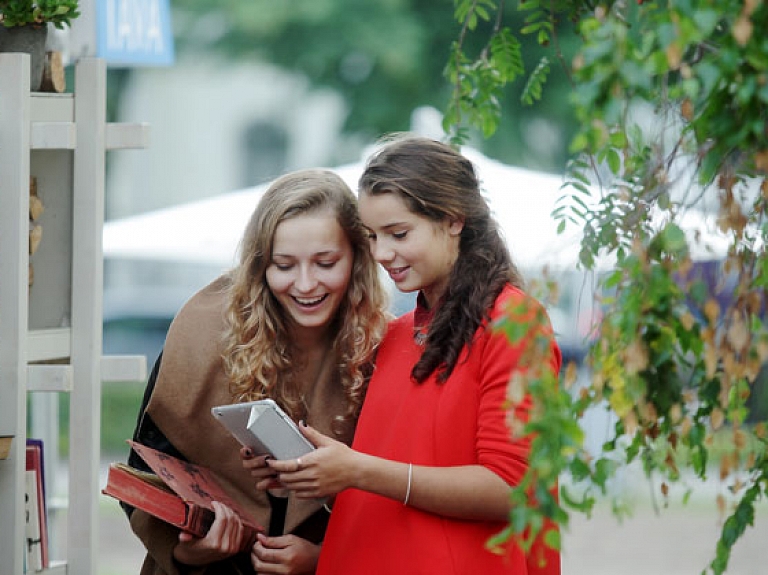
<point>208,231</point>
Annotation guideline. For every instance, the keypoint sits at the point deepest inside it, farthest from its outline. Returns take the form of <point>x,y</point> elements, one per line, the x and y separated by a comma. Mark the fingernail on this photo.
<point>302,423</point>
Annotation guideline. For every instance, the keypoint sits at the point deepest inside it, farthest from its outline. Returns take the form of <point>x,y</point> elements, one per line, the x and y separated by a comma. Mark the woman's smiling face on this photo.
<point>417,253</point>
<point>310,268</point>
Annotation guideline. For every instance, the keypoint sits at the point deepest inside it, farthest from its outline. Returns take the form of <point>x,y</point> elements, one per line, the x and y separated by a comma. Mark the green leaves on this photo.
<point>536,80</point>
<point>671,100</point>
<point>478,84</point>
<point>27,12</point>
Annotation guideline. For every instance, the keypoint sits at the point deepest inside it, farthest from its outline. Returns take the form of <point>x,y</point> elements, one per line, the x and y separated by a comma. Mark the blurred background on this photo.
<point>242,92</point>
<point>260,88</point>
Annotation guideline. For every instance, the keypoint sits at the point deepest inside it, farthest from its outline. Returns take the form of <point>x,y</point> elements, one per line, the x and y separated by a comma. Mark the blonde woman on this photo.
<point>297,321</point>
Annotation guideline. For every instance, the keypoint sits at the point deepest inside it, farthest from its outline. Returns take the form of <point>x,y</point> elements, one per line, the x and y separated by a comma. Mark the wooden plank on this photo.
<point>52,107</point>
<point>53,136</point>
<point>123,368</point>
<point>14,266</point>
<point>127,136</point>
<point>87,295</point>
<point>49,377</point>
<point>48,344</point>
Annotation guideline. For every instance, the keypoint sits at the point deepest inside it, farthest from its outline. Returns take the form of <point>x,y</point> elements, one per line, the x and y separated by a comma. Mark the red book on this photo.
<point>178,492</point>
<point>34,462</point>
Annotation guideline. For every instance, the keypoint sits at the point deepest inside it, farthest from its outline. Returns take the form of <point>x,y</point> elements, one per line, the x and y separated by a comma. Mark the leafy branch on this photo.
<point>668,168</point>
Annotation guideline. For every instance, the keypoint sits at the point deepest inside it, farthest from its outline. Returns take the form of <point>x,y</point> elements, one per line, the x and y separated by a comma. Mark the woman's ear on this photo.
<point>455,227</point>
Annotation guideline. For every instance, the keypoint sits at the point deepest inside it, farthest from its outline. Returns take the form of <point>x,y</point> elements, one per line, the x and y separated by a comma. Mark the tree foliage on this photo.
<point>385,58</point>
<point>671,100</point>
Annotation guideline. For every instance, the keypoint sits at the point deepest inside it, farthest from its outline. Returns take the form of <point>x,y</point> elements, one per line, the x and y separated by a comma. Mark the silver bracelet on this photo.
<point>408,490</point>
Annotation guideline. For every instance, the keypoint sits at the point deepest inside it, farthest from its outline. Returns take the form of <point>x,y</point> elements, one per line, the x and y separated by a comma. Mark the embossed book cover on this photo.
<point>179,492</point>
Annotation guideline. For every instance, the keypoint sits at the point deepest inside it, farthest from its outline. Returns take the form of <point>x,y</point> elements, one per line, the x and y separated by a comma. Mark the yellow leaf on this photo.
<point>742,30</point>
<point>761,163</point>
<point>620,403</point>
<point>685,426</point>
<point>687,320</point>
<point>737,486</point>
<point>717,418</point>
<point>712,310</point>
<point>635,357</point>
<point>762,350</point>
<point>675,413</point>
<point>674,56</point>
<point>686,109</point>
<point>721,504</point>
<point>710,361</point>
<point>739,439</point>
<point>571,374</point>
<point>630,423</point>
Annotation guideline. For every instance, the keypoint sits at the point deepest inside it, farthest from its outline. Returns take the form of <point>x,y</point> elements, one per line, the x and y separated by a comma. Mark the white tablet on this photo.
<point>264,427</point>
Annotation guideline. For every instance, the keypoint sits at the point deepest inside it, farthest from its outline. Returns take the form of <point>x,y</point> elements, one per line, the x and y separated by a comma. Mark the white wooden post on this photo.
<point>87,287</point>
<point>14,265</point>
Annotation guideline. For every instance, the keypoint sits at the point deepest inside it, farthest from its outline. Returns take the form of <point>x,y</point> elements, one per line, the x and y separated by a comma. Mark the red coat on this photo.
<point>459,422</point>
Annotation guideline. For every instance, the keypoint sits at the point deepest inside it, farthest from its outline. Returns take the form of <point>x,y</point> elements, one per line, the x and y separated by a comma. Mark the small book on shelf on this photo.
<point>36,508</point>
<point>178,492</point>
<point>33,551</point>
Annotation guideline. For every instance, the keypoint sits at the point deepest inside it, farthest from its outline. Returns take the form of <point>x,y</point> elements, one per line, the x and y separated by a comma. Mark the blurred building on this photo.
<point>218,126</point>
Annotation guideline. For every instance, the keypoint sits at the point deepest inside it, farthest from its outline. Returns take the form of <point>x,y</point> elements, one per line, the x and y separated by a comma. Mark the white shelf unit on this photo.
<point>50,332</point>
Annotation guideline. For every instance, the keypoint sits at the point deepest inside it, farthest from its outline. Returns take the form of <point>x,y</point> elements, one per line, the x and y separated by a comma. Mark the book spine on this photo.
<point>168,507</point>
<point>199,520</point>
<point>36,461</point>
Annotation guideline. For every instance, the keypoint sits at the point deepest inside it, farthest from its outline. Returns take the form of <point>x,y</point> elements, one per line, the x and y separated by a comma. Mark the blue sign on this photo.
<point>134,32</point>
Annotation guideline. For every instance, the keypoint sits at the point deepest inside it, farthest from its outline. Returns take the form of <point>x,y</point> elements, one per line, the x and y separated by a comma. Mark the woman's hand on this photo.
<point>287,554</point>
<point>226,537</point>
<point>265,477</point>
<point>331,468</point>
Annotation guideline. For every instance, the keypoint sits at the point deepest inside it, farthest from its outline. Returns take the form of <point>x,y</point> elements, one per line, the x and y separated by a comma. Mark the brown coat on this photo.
<point>190,381</point>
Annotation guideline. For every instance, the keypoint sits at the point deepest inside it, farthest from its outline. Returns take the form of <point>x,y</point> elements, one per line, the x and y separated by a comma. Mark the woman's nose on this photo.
<point>306,281</point>
<point>381,252</point>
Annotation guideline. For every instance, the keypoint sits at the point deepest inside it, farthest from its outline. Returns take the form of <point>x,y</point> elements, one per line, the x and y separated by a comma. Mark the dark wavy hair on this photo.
<point>438,183</point>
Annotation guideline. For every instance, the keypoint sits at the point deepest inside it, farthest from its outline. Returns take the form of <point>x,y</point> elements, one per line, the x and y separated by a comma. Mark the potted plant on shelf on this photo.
<point>24,28</point>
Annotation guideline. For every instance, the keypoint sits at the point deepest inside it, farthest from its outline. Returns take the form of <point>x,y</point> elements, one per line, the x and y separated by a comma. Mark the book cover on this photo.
<point>35,462</point>
<point>179,492</point>
<point>33,551</point>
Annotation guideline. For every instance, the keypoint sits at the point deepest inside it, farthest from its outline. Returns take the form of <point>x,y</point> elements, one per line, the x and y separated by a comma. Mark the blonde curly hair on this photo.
<point>257,352</point>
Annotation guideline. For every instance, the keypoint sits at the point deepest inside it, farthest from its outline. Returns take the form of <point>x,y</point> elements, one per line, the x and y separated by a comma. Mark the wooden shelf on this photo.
<point>53,136</point>
<point>61,141</point>
<point>49,378</point>
<point>56,568</point>
<point>49,344</point>
<point>45,107</point>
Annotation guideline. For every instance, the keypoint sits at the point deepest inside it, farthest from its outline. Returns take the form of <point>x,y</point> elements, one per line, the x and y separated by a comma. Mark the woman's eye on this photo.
<point>399,235</point>
<point>326,265</point>
<point>282,267</point>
